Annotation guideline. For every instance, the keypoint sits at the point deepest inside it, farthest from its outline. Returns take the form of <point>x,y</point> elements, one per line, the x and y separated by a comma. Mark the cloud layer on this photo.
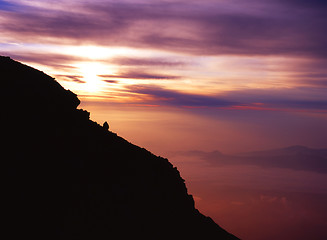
<point>291,27</point>
<point>231,55</point>
<point>275,100</point>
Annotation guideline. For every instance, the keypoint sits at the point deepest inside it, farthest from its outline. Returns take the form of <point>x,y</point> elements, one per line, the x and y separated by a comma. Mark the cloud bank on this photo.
<point>291,27</point>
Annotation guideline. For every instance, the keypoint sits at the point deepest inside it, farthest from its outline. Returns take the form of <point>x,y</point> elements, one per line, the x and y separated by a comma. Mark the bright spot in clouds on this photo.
<point>90,71</point>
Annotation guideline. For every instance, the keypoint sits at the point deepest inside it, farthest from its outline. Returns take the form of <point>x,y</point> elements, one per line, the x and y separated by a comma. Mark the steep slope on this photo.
<point>66,177</point>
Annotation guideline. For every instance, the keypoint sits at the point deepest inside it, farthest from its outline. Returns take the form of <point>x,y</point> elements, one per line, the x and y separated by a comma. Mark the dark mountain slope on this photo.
<point>66,177</point>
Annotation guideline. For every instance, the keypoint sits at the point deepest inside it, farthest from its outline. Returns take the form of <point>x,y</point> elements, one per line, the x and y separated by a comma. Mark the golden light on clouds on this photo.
<point>95,52</point>
<point>89,72</point>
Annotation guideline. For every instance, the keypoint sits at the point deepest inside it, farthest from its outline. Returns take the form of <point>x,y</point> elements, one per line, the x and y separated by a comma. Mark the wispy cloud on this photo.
<point>159,95</point>
<point>59,61</point>
<point>73,78</point>
<point>258,55</point>
<point>140,75</point>
<point>160,62</point>
<point>297,28</point>
<point>258,100</point>
<point>111,81</point>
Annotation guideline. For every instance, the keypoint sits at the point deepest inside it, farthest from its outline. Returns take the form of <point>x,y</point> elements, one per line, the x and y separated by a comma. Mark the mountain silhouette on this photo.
<point>67,177</point>
<point>294,157</point>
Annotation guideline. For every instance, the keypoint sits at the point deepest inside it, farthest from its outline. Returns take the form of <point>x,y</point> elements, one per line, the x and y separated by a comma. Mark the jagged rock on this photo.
<point>66,177</point>
<point>105,126</point>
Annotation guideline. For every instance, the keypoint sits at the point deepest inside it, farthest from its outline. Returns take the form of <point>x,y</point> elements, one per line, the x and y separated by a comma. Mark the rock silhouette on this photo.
<point>67,177</point>
<point>105,126</point>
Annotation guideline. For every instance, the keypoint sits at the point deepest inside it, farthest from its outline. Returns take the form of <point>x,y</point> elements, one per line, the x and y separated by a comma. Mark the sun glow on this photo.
<point>100,53</point>
<point>90,72</point>
<point>94,64</point>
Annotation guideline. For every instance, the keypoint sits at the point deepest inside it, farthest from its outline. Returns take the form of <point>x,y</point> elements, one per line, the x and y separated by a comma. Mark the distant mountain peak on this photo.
<point>296,147</point>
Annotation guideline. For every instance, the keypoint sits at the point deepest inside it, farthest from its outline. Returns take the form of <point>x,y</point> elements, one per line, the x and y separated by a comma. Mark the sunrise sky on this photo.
<point>235,75</point>
<point>227,75</point>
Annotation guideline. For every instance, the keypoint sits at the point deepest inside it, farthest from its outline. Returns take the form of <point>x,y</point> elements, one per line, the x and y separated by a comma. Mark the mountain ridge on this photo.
<point>294,157</point>
<point>67,177</point>
<point>292,149</point>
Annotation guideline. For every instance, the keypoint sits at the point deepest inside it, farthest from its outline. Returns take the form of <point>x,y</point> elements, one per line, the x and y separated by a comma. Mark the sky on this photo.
<point>254,73</point>
<point>233,76</point>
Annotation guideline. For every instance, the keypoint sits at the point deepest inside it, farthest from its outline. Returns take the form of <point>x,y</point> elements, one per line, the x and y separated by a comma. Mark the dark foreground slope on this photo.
<point>66,177</point>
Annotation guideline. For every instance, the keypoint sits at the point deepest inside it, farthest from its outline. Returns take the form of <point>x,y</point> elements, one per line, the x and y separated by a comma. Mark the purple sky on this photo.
<point>181,53</point>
